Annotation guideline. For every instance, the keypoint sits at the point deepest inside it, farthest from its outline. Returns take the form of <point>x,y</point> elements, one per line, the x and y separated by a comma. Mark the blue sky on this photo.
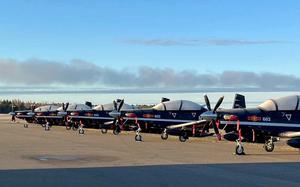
<point>257,36</point>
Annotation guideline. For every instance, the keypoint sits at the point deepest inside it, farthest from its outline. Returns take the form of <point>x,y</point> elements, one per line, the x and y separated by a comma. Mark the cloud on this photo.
<point>36,72</point>
<point>198,42</point>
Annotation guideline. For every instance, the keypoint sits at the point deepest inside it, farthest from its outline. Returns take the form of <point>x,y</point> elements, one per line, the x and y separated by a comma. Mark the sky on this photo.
<point>135,43</point>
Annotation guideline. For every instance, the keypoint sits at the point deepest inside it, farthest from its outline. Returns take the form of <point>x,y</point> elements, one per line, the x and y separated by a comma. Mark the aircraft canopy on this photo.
<point>46,108</point>
<point>78,107</point>
<point>283,103</point>
<point>110,107</point>
<point>178,105</point>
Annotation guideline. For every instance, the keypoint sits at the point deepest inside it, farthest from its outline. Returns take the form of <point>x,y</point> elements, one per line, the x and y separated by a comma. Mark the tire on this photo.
<point>68,127</point>
<point>81,131</point>
<point>117,130</point>
<point>25,125</point>
<point>182,138</point>
<point>138,138</point>
<point>269,146</point>
<point>103,131</point>
<point>164,136</point>
<point>239,150</point>
<point>43,125</point>
<point>47,128</point>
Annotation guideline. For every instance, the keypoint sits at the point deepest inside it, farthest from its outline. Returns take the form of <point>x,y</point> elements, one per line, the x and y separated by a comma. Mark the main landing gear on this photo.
<point>81,130</point>
<point>47,127</point>
<point>164,135</point>
<point>117,130</point>
<point>138,136</point>
<point>269,144</point>
<point>103,131</point>
<point>183,137</point>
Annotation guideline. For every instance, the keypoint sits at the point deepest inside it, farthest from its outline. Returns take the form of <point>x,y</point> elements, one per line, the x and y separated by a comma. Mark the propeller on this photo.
<point>31,113</point>
<point>211,115</point>
<point>33,106</point>
<point>64,108</point>
<point>116,114</point>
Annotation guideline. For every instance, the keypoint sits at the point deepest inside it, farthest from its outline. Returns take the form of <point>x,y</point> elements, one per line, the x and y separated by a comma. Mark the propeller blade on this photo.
<point>216,129</point>
<point>121,105</point>
<point>63,106</point>
<point>115,105</point>
<point>66,107</point>
<point>32,107</point>
<point>115,121</point>
<point>119,121</point>
<point>207,102</point>
<point>218,103</point>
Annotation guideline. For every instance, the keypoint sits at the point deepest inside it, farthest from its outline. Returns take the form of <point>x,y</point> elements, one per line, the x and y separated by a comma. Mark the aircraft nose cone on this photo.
<point>115,114</point>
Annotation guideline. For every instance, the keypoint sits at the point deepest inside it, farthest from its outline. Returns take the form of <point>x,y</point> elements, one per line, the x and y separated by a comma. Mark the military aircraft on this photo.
<point>99,116</point>
<point>163,117</point>
<point>265,123</point>
<point>23,115</point>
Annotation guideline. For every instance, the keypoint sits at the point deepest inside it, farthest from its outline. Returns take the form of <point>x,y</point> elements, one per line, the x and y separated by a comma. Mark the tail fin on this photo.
<point>88,104</point>
<point>163,99</point>
<point>239,101</point>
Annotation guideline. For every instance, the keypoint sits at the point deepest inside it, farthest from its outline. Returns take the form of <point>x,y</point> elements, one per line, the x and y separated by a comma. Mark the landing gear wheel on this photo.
<point>103,131</point>
<point>138,138</point>
<point>269,146</point>
<point>74,128</point>
<point>117,130</point>
<point>183,136</point>
<point>47,128</point>
<point>68,127</point>
<point>164,135</point>
<point>239,149</point>
<point>81,131</point>
<point>25,125</point>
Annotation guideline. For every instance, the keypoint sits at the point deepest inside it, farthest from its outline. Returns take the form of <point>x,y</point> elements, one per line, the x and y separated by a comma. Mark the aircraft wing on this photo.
<point>290,134</point>
<point>92,117</point>
<point>186,124</point>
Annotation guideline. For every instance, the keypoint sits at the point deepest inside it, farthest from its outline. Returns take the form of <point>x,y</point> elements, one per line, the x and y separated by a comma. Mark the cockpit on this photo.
<point>46,108</point>
<point>180,105</point>
<point>78,107</point>
<point>110,107</point>
<point>283,103</point>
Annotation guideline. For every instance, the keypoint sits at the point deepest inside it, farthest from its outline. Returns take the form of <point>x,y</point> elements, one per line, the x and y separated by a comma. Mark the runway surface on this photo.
<point>33,157</point>
<point>279,174</point>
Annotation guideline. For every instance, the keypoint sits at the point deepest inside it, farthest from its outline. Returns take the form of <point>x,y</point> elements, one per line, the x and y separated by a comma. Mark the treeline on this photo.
<point>7,106</point>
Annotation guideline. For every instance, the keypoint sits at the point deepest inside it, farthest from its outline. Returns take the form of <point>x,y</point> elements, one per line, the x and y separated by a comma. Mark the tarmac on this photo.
<point>59,157</point>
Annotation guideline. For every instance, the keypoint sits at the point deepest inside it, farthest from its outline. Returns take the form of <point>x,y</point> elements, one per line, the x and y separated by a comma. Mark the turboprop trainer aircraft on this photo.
<point>164,116</point>
<point>265,123</point>
<point>100,116</point>
<point>23,114</point>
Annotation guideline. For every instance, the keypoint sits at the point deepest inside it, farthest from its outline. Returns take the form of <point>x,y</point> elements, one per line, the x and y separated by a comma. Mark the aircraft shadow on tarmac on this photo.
<point>253,174</point>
